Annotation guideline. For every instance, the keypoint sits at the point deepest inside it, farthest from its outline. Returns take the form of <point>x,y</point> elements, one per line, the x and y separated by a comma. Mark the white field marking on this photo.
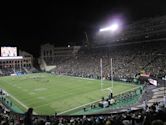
<point>86,78</point>
<point>110,88</point>
<point>32,93</point>
<point>76,77</point>
<point>18,101</point>
<point>42,98</point>
<point>84,104</point>
<point>107,89</point>
<point>48,95</point>
<point>25,90</point>
<point>93,79</point>
<point>122,83</point>
<point>40,89</point>
<point>92,102</point>
<point>87,103</point>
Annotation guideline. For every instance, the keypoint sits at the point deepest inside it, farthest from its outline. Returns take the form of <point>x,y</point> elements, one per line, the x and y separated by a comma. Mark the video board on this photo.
<point>8,51</point>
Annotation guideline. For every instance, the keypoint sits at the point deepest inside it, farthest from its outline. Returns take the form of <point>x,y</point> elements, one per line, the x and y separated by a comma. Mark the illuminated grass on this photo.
<point>48,93</point>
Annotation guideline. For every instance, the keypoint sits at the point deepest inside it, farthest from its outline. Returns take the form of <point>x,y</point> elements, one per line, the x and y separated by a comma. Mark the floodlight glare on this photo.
<point>113,27</point>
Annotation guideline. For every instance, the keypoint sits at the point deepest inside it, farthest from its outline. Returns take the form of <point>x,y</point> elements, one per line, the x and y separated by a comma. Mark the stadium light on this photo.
<point>113,27</point>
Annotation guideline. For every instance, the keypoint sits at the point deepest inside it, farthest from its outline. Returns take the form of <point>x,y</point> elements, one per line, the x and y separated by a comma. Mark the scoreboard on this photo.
<point>8,51</point>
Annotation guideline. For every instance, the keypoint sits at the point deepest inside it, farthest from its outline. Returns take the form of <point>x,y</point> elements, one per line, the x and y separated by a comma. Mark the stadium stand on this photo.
<point>17,66</point>
<point>132,51</point>
<point>130,117</point>
<point>129,60</point>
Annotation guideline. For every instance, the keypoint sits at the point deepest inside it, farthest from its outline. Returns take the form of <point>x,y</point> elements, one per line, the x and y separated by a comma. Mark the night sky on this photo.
<point>28,25</point>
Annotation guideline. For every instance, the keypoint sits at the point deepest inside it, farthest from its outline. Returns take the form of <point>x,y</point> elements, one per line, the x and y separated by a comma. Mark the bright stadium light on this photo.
<point>113,27</point>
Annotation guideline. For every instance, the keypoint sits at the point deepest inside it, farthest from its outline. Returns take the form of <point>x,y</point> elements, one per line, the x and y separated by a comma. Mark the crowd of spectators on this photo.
<point>7,71</point>
<point>151,115</point>
<point>127,61</point>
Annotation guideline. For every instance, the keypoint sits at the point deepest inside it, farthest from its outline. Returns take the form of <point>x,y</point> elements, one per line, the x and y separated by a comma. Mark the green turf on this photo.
<point>48,93</point>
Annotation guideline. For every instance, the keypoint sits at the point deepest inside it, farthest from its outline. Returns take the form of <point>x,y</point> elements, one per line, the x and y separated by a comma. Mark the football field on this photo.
<point>48,93</point>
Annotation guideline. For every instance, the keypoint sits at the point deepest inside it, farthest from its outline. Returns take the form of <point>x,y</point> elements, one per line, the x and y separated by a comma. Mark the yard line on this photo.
<point>18,101</point>
<point>77,107</point>
<point>62,111</point>
<point>89,102</point>
<point>92,102</point>
<point>77,77</point>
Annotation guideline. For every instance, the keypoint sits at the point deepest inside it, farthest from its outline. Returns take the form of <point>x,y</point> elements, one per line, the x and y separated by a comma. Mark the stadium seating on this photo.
<point>17,71</point>
<point>154,113</point>
<point>127,61</point>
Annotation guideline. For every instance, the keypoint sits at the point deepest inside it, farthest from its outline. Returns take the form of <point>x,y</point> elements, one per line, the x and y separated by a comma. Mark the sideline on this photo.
<point>18,101</point>
<point>93,102</point>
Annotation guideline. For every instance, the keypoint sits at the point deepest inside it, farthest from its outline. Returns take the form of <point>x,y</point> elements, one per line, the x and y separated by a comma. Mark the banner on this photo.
<point>152,81</point>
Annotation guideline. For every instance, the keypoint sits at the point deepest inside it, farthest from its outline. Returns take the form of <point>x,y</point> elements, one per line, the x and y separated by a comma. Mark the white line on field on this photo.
<point>92,102</point>
<point>75,77</point>
<point>18,101</point>
<point>77,107</point>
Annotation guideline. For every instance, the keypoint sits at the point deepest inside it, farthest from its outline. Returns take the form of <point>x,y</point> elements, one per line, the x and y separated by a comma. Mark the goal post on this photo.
<point>101,74</point>
<point>112,85</point>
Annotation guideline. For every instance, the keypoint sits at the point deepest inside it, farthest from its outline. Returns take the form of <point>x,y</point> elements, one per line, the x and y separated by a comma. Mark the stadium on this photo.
<point>119,77</point>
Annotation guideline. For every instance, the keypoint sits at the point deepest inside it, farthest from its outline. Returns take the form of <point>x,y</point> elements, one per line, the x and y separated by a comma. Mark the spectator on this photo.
<point>157,122</point>
<point>28,117</point>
